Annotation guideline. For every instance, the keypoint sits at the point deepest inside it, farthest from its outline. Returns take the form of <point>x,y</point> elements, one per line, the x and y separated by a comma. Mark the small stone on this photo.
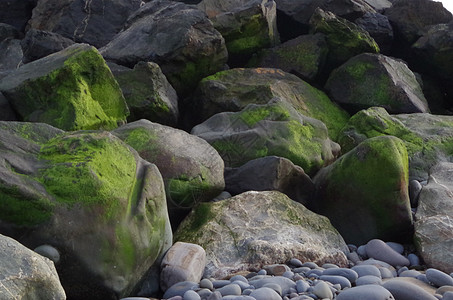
<point>385,273</point>
<point>362,251</point>
<point>302,286</point>
<point>265,293</point>
<point>438,278</point>
<point>351,275</point>
<point>206,284</point>
<point>49,252</point>
<point>239,278</point>
<point>363,270</point>
<point>410,273</point>
<point>215,296</point>
<point>230,289</point>
<point>330,266</point>
<point>191,295</point>
<point>368,279</point>
<point>415,188</point>
<point>342,281</point>
<point>288,274</point>
<point>276,269</point>
<point>447,296</point>
<point>178,289</point>
<point>262,272</point>
<point>396,246</point>
<point>378,249</point>
<point>403,290</point>
<point>311,265</point>
<point>275,287</point>
<point>401,270</point>
<point>322,290</point>
<point>368,292</point>
<point>414,260</point>
<point>295,262</point>
<point>444,289</point>
<point>204,293</point>
<point>220,283</point>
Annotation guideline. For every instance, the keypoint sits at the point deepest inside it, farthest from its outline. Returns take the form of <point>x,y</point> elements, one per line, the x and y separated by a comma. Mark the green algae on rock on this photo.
<point>71,89</point>
<point>365,192</point>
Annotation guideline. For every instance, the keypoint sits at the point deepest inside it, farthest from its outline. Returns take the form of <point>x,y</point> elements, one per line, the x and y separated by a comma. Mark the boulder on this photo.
<point>271,129</point>
<point>91,22</point>
<point>410,17</point>
<point>71,89</point>
<point>303,56</point>
<point>39,43</point>
<point>148,93</point>
<point>247,28</point>
<point>178,37</point>
<point>11,54</point>
<point>270,173</point>
<point>6,111</point>
<point>433,228</point>
<point>365,192</point>
<point>254,229</point>
<point>89,196</point>
<point>368,80</point>
<point>26,274</point>
<point>9,32</point>
<point>192,170</point>
<point>428,138</point>
<point>17,12</point>
<point>379,28</point>
<point>233,90</point>
<point>344,38</point>
<point>379,5</point>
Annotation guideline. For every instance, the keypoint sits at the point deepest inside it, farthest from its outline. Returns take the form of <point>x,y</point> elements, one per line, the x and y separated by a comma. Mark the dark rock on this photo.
<point>267,174</point>
<point>379,28</point>
<point>6,111</point>
<point>39,43</point>
<point>9,32</point>
<point>11,55</point>
<point>368,80</point>
<point>91,22</point>
<point>179,38</point>
<point>148,93</point>
<point>16,12</point>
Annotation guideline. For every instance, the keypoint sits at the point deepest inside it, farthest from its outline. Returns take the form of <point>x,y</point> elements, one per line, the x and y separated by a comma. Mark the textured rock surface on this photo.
<point>39,43</point>
<point>264,130</point>
<point>365,192</point>
<point>147,92</point>
<point>368,80</point>
<point>92,22</point>
<point>178,37</point>
<point>111,202</point>
<point>11,55</point>
<point>433,226</point>
<point>379,28</point>
<point>26,274</point>
<point>71,89</point>
<point>258,228</point>
<point>268,174</point>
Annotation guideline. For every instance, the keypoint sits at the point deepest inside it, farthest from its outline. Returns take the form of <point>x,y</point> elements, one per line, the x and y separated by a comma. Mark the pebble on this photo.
<point>230,289</point>
<point>414,260</point>
<point>370,292</point>
<point>362,251</point>
<point>368,279</point>
<point>342,281</point>
<point>447,296</point>
<point>265,293</point>
<point>206,284</point>
<point>378,249</point>
<point>410,273</point>
<point>363,270</point>
<point>215,296</point>
<point>275,287</point>
<point>438,278</point>
<point>191,295</point>
<point>322,290</point>
<point>302,286</point>
<point>385,273</point>
<point>295,262</point>
<point>351,275</point>
<point>396,246</point>
<point>402,290</point>
<point>49,252</point>
<point>178,289</point>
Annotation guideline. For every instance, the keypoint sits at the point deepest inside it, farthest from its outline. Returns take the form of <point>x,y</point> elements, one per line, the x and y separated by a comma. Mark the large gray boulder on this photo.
<point>39,43</point>
<point>26,274</point>
<point>71,89</point>
<point>433,228</point>
<point>276,129</point>
<point>178,37</point>
<point>365,192</point>
<point>88,195</point>
<point>91,22</point>
<point>254,229</point>
<point>368,80</point>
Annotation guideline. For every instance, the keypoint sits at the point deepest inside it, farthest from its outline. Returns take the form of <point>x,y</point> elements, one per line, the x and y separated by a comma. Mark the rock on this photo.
<point>192,170</point>
<point>178,37</point>
<point>349,274</point>
<point>303,56</point>
<point>366,270</point>
<point>369,292</point>
<point>49,252</point>
<point>191,295</point>
<point>379,250</point>
<point>428,138</point>
<point>179,289</point>
<point>266,130</point>
<point>246,28</point>
<point>413,259</point>
<point>182,262</point>
<point>276,269</point>
<point>91,22</point>
<point>409,273</point>
<point>265,293</point>
<point>369,183</point>
<point>355,86</point>
<point>285,284</point>
<point>404,290</point>
<point>232,90</point>
<point>322,290</point>
<point>396,246</point>
<point>379,28</point>
<point>39,43</point>
<point>6,111</point>
<point>148,93</point>
<point>230,289</point>
<point>379,5</point>
<point>259,228</point>
<point>9,32</point>
<point>270,173</point>
<point>342,281</point>
<point>409,17</point>
<point>414,192</point>
<point>11,55</point>
<point>17,12</point>
<point>71,89</point>
<point>88,195</point>
<point>344,39</point>
<point>368,279</point>
<point>26,274</point>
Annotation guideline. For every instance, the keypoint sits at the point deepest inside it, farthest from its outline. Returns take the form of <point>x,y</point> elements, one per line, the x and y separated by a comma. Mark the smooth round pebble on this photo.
<point>368,279</point>
<point>369,292</point>
<point>191,295</point>
<point>414,260</point>
<point>316,272</point>
<point>444,289</point>
<point>410,273</point>
<point>378,249</point>
<point>354,257</point>
<point>363,270</point>
<point>288,274</point>
<point>238,278</point>
<point>241,297</point>
<point>422,278</point>
<point>48,251</point>
<point>330,266</point>
<point>295,262</point>
<point>173,298</point>
<point>342,281</point>
<point>242,284</point>
<point>220,283</point>
<point>401,270</point>
<point>286,284</point>
<point>230,289</point>
<point>204,293</point>
<point>206,284</point>
<point>403,290</point>
<point>447,296</point>
<point>310,264</point>
<point>139,298</point>
<point>215,296</point>
<point>265,293</point>
<point>362,251</point>
<point>262,272</point>
<point>274,286</point>
<point>302,286</point>
<point>322,290</point>
<point>386,273</point>
<point>438,278</point>
<point>351,275</point>
<point>396,246</point>
<point>178,289</point>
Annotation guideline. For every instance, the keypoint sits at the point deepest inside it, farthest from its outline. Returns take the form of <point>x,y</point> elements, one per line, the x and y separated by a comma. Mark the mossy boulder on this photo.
<point>254,229</point>
<point>428,138</point>
<point>148,93</point>
<point>276,129</point>
<point>365,192</point>
<point>344,38</point>
<point>178,37</point>
<point>368,80</point>
<point>303,56</point>
<point>88,195</point>
<point>232,90</point>
<point>192,170</point>
<point>72,89</point>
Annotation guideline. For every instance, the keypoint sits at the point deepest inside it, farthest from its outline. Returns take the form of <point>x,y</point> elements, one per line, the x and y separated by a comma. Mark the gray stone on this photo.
<point>379,28</point>
<point>369,292</point>
<point>322,290</point>
<point>215,296</point>
<point>182,262</point>
<point>191,295</point>
<point>414,192</point>
<point>302,286</point>
<point>276,269</point>
<point>276,287</point>
<point>368,279</point>
<point>49,252</point>
<point>413,259</point>
<point>286,284</point>
<point>350,274</point>
<point>438,278</point>
<point>265,293</point>
<point>230,289</point>
<point>342,281</point>
<point>206,283</point>
<point>410,273</point>
<point>40,43</point>
<point>179,289</point>
<point>11,55</point>
<point>26,274</point>
<point>447,296</point>
<point>403,290</point>
<point>396,246</point>
<point>364,270</point>
<point>378,249</point>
